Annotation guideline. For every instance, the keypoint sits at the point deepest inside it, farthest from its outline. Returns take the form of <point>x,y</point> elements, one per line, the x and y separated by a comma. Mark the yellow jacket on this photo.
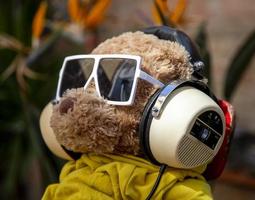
<point>95,177</point>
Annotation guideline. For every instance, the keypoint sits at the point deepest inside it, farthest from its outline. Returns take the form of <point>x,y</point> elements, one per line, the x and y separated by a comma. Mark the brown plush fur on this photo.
<point>83,122</point>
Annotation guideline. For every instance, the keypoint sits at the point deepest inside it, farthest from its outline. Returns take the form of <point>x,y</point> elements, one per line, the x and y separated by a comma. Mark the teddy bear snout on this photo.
<point>66,104</point>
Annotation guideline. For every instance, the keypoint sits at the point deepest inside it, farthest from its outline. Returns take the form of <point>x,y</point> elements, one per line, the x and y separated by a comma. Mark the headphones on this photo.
<point>182,124</point>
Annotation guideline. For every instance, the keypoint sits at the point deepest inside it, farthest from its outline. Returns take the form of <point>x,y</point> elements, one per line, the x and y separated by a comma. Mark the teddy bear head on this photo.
<point>84,122</point>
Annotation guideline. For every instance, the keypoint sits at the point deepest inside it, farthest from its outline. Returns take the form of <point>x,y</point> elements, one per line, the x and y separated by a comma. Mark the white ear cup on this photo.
<point>48,134</point>
<point>170,140</point>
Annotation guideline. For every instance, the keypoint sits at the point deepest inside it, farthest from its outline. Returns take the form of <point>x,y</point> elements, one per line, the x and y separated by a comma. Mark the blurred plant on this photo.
<point>83,17</point>
<point>240,168</point>
<point>241,159</point>
<point>38,23</point>
<point>33,42</point>
<point>88,14</point>
<point>201,41</point>
<point>238,65</point>
<point>163,15</point>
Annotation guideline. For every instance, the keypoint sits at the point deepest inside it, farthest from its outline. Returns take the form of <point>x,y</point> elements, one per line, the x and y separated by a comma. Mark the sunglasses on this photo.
<point>115,76</point>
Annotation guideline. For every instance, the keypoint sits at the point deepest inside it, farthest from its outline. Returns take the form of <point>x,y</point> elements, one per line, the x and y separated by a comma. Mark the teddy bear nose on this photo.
<point>66,104</point>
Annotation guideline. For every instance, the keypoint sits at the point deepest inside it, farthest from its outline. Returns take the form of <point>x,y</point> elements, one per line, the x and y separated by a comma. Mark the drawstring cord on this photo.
<point>161,171</point>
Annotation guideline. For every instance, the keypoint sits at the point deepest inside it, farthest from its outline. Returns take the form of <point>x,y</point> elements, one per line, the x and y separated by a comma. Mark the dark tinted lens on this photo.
<point>76,74</point>
<point>116,78</point>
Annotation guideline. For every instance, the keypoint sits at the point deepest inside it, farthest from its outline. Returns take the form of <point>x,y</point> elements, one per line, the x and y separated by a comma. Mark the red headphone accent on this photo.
<point>216,167</point>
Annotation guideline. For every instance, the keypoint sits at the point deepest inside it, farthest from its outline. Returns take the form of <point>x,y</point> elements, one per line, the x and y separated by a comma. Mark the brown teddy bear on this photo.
<point>113,164</point>
<point>84,123</point>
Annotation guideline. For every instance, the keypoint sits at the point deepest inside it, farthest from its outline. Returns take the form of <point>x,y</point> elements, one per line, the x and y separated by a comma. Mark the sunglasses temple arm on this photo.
<point>143,75</point>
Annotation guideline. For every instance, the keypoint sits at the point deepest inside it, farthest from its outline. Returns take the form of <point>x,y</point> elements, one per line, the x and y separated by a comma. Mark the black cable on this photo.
<point>161,171</point>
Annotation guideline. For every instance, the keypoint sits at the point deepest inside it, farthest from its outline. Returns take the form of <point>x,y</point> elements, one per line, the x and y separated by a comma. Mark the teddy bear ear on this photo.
<point>174,35</point>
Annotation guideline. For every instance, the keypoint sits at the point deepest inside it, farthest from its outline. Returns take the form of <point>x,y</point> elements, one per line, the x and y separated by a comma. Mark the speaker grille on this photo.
<point>191,153</point>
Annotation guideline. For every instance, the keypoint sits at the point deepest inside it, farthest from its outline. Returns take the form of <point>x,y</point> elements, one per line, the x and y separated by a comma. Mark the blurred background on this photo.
<point>35,36</point>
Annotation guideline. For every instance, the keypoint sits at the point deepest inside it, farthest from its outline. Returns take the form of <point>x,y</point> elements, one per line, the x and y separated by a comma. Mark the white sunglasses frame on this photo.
<point>97,57</point>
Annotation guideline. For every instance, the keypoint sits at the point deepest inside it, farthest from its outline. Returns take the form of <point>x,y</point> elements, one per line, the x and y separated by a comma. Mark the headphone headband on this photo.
<point>168,89</point>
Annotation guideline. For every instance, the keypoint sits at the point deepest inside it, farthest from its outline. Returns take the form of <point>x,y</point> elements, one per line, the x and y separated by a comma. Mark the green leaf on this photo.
<point>239,65</point>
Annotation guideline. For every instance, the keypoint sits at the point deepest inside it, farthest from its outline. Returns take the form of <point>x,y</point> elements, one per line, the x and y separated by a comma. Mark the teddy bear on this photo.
<point>102,139</point>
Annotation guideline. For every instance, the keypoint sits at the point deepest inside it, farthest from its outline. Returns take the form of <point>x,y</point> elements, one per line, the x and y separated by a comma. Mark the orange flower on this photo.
<point>163,15</point>
<point>88,14</point>
<point>39,20</point>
